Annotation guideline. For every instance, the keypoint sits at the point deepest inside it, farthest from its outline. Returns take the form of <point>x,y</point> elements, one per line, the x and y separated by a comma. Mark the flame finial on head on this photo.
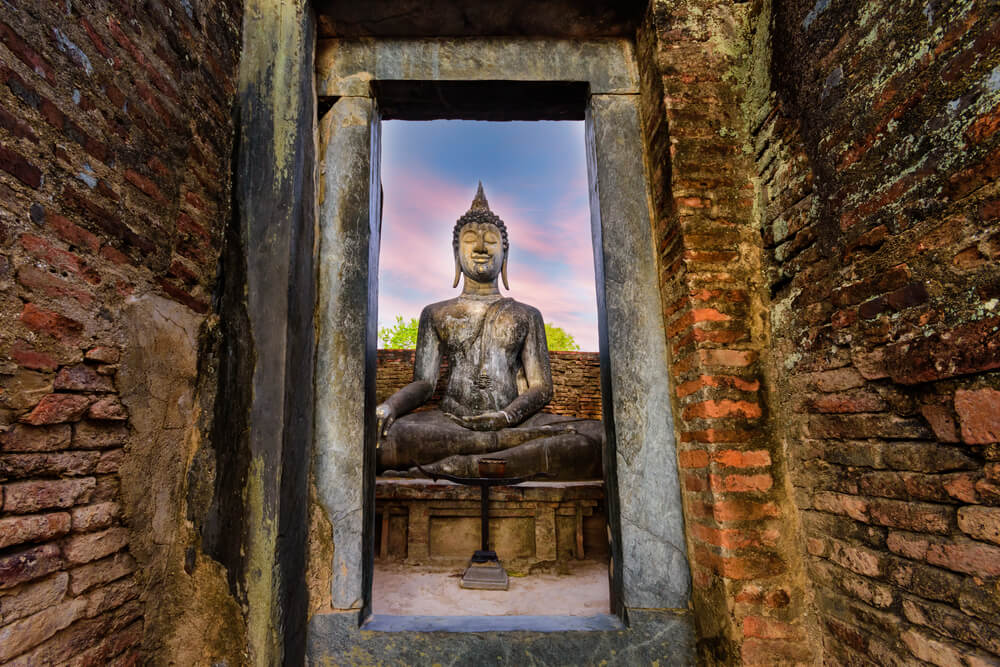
<point>479,202</point>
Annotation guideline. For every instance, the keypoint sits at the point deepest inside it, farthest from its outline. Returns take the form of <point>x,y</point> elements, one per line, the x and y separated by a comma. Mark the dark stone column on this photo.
<point>275,207</point>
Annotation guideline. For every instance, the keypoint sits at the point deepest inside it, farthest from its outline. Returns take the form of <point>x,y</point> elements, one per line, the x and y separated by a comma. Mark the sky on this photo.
<point>535,178</point>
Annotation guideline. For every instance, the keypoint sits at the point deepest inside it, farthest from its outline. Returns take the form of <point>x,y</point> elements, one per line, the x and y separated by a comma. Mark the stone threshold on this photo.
<point>391,623</point>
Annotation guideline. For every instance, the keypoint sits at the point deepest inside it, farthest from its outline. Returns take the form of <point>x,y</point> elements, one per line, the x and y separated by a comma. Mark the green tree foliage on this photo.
<point>403,336</point>
<point>558,339</point>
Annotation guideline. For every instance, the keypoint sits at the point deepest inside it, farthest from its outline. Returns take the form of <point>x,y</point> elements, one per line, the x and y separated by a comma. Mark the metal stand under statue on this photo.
<point>485,571</point>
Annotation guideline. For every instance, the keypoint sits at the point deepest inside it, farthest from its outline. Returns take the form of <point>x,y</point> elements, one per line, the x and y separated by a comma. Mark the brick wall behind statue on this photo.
<point>576,378</point>
<point>115,141</point>
<point>878,161</point>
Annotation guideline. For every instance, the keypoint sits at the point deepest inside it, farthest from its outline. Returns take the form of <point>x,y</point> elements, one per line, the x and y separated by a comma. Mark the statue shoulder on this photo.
<point>528,311</point>
<point>434,310</point>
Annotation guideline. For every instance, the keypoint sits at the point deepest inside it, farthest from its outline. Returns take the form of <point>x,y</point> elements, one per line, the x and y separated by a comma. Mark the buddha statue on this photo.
<point>499,379</point>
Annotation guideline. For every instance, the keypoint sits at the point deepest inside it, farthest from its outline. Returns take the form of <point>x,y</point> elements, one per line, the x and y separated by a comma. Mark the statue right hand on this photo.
<point>384,418</point>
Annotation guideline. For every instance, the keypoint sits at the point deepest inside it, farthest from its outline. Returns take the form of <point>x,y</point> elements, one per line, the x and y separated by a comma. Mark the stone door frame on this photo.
<point>649,559</point>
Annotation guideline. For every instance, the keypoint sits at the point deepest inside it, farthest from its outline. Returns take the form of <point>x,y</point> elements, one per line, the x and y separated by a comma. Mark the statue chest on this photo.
<point>479,336</point>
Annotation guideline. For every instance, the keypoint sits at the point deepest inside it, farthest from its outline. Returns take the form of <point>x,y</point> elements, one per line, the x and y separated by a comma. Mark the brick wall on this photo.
<point>749,594</point>
<point>576,378</point>
<point>877,148</point>
<point>115,142</point>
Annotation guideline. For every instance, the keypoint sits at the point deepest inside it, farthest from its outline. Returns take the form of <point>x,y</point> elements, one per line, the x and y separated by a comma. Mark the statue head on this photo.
<point>480,243</point>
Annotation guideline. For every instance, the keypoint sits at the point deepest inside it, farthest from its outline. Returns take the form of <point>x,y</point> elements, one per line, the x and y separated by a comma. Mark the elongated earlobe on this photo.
<point>458,272</point>
<point>503,274</point>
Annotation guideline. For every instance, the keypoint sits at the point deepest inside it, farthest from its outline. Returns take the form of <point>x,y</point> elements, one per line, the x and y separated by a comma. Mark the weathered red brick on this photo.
<point>968,348</point>
<point>48,464</point>
<point>741,483</point>
<point>32,597</point>
<point>942,421</point>
<point>24,438</point>
<point>55,257</point>
<point>743,510</point>
<point>35,495</point>
<point>103,354</point>
<point>981,523</point>
<point>56,325</point>
<point>931,650</point>
<point>85,577</point>
<point>29,56</point>
<point>108,408</point>
<point>32,528</point>
<point>856,559</point>
<point>973,558</point>
<point>51,285</point>
<point>145,185</point>
<point>739,567</point>
<point>756,651</point>
<point>91,546</point>
<point>110,461</point>
<point>97,435</point>
<point>29,564</point>
<point>847,403</point>
<point>979,415</point>
<point>26,356</point>
<point>733,458</point>
<point>769,628</point>
<point>695,482</point>
<point>839,503</point>
<point>734,538</point>
<point>713,435</point>
<point>920,517</point>
<point>57,409</point>
<point>866,426</point>
<point>82,378</point>
<point>716,381</point>
<point>722,409</point>
<point>93,517</point>
<point>18,167</point>
<point>695,458</point>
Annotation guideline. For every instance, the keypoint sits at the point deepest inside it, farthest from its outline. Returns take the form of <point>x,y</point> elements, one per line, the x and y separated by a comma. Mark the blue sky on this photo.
<point>535,178</point>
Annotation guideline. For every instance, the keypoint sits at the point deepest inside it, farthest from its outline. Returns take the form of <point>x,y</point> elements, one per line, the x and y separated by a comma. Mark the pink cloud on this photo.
<point>416,262</point>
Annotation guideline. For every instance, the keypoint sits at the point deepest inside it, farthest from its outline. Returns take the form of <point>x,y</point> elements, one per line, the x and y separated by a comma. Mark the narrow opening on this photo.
<point>550,534</point>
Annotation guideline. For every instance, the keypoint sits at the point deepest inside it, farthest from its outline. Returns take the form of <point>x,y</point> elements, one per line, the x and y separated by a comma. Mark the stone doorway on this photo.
<point>360,82</point>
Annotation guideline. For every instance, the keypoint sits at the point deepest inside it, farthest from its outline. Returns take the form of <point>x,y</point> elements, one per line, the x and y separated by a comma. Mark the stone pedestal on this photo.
<point>422,522</point>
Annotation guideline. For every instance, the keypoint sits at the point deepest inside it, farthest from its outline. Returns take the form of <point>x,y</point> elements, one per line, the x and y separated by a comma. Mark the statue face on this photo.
<point>480,251</point>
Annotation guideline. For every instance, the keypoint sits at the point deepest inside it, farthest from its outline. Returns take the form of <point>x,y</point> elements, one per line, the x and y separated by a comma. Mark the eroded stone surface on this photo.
<point>652,636</point>
<point>346,67</point>
<point>342,323</point>
<point>654,560</point>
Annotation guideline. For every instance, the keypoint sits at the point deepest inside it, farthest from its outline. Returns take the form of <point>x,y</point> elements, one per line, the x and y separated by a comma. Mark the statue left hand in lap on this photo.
<point>499,378</point>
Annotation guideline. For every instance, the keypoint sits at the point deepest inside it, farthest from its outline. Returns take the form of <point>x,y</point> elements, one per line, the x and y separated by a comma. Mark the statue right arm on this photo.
<point>426,368</point>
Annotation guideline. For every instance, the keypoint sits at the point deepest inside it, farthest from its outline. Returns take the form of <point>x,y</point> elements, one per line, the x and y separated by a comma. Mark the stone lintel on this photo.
<point>347,67</point>
<point>655,571</point>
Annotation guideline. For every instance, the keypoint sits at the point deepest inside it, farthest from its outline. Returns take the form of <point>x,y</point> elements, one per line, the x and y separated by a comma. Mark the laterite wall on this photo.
<point>877,149</point>
<point>115,143</point>
<point>576,378</point>
<point>750,598</point>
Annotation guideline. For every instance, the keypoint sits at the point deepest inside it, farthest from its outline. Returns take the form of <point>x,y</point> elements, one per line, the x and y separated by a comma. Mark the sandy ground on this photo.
<point>416,591</point>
